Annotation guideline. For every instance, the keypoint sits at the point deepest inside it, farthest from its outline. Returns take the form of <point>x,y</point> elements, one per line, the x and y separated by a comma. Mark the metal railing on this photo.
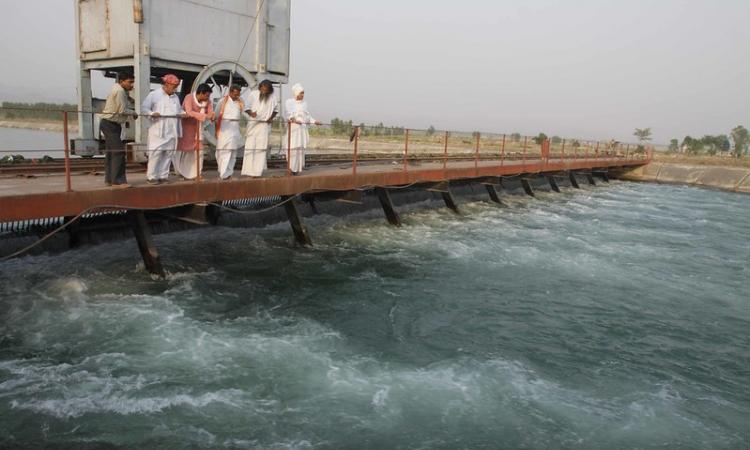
<point>362,145</point>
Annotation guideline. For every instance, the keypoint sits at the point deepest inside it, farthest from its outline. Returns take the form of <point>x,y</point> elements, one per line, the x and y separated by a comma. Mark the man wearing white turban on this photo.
<point>299,118</point>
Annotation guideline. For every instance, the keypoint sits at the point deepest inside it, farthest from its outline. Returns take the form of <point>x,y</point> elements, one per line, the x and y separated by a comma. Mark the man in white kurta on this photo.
<point>229,137</point>
<point>262,105</point>
<point>299,119</point>
<point>163,107</point>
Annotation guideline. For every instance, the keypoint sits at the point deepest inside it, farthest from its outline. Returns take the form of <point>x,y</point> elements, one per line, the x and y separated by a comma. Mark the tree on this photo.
<point>710,142</point>
<point>541,137</point>
<point>674,146</point>
<point>515,137</point>
<point>691,145</point>
<point>556,139</point>
<point>430,131</point>
<point>643,134</point>
<point>741,139</point>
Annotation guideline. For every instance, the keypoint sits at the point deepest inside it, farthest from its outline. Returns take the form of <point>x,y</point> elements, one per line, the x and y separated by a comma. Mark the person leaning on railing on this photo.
<point>117,110</point>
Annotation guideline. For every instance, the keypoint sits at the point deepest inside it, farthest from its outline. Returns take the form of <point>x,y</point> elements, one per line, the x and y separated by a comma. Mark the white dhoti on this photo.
<point>185,165</point>
<point>225,159</point>
<point>159,158</point>
<point>300,137</point>
<point>254,161</point>
<point>226,150</point>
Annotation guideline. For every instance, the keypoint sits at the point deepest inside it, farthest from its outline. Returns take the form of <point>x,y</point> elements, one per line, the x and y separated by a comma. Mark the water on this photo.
<point>614,317</point>
<point>31,143</point>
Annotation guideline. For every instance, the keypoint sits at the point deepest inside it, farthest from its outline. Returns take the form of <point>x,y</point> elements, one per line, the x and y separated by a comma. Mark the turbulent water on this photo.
<point>612,317</point>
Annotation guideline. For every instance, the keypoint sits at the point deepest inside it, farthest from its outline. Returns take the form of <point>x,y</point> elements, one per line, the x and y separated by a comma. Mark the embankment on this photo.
<point>735,179</point>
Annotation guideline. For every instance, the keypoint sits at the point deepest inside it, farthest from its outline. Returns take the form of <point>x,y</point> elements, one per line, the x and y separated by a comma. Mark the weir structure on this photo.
<point>368,164</point>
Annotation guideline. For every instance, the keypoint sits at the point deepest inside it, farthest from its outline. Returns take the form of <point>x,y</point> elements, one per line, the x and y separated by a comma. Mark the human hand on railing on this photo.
<point>318,122</point>
<point>211,116</point>
<point>253,114</point>
<point>270,120</point>
<point>155,115</point>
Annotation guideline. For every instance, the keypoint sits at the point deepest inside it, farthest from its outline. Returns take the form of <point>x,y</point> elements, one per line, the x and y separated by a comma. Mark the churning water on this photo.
<point>612,317</point>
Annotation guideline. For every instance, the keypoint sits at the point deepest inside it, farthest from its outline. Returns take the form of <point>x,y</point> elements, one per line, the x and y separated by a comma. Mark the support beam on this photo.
<point>450,201</point>
<point>603,175</point>
<point>493,193</point>
<point>387,204</point>
<point>142,232</point>
<point>590,178</point>
<point>553,183</point>
<point>527,187</point>
<point>573,180</point>
<point>295,220</point>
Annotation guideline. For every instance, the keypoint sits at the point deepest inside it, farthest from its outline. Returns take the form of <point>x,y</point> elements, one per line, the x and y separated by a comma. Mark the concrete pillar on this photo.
<point>553,183</point>
<point>493,193</point>
<point>573,180</point>
<point>527,187</point>
<point>450,201</point>
<point>142,232</point>
<point>387,204</point>
<point>295,220</point>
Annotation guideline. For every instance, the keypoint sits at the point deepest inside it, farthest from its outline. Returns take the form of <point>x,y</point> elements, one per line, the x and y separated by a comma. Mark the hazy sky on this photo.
<point>578,68</point>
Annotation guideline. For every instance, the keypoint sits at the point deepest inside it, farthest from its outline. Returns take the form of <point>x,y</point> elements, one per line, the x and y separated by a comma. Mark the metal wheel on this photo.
<point>220,76</point>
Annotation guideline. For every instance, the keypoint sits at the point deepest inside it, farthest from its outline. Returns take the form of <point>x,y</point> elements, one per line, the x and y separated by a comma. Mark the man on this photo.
<point>188,159</point>
<point>262,105</point>
<point>117,110</point>
<point>163,106</point>
<point>228,135</point>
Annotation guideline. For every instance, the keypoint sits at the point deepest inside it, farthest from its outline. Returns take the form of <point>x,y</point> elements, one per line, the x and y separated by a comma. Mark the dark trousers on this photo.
<point>114,165</point>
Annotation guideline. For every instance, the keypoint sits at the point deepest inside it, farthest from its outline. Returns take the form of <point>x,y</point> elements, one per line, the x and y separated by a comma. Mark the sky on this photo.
<point>574,68</point>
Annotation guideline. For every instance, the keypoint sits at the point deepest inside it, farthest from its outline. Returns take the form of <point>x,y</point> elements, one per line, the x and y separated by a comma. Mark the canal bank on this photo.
<point>734,179</point>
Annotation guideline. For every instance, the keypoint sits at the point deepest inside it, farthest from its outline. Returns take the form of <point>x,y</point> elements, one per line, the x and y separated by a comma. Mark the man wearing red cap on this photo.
<point>164,109</point>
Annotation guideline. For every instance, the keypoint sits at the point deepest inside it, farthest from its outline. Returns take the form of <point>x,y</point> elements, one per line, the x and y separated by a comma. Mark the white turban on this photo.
<point>297,89</point>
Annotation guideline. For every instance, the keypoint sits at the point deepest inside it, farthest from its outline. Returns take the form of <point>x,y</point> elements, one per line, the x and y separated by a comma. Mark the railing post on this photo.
<point>406,149</point>
<point>502,151</point>
<point>562,152</point>
<point>476,154</point>
<point>198,152</point>
<point>445,151</point>
<point>627,152</point>
<point>68,181</point>
<point>356,150</point>
<point>596,152</point>
<point>525,141</point>
<point>289,148</point>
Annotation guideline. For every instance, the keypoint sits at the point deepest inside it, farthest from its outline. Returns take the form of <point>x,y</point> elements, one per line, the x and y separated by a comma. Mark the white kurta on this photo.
<point>300,136</point>
<point>163,132</point>
<point>258,131</point>
<point>230,137</point>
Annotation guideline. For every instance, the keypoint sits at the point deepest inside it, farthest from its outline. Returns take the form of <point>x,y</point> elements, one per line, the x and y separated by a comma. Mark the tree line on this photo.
<point>36,111</point>
<point>737,142</point>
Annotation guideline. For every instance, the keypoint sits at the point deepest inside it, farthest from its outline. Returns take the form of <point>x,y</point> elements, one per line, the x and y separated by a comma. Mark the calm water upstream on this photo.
<point>612,317</point>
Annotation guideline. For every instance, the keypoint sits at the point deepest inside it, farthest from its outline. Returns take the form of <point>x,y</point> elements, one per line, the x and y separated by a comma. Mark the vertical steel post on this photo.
<point>356,150</point>
<point>525,141</point>
<point>476,154</point>
<point>406,149</point>
<point>289,148</point>
<point>502,152</point>
<point>68,183</point>
<point>445,151</point>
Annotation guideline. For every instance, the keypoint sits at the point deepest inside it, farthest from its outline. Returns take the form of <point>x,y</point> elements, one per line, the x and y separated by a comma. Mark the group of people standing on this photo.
<point>175,133</point>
